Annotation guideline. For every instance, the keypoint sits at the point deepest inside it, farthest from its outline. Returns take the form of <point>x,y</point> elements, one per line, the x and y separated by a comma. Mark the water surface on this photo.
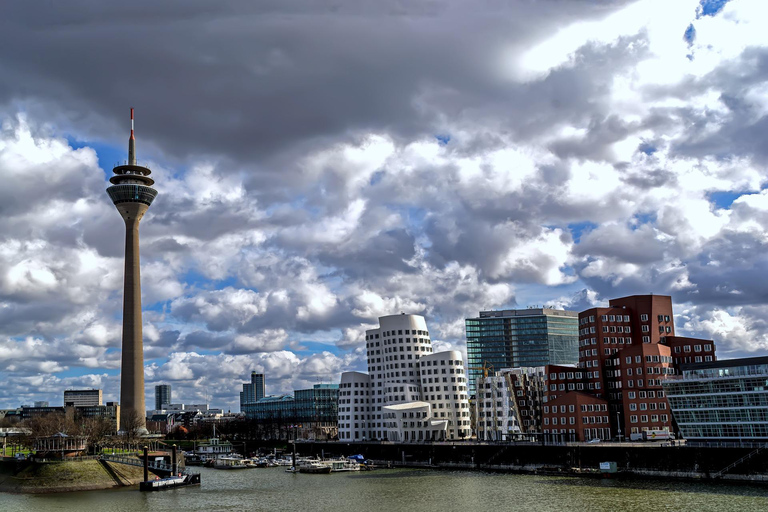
<point>395,490</point>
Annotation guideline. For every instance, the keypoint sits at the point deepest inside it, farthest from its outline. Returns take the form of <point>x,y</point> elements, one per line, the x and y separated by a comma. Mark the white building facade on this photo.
<point>398,353</point>
<point>508,403</point>
<point>355,407</point>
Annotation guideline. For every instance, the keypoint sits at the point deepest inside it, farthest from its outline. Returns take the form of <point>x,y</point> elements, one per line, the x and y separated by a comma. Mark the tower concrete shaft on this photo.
<point>132,195</point>
<point>132,367</point>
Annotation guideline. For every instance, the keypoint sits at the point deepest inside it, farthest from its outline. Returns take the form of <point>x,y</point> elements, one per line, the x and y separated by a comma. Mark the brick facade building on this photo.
<point>625,351</point>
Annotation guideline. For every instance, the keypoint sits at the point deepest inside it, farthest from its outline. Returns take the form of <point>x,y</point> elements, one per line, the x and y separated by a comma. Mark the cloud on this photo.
<point>322,165</point>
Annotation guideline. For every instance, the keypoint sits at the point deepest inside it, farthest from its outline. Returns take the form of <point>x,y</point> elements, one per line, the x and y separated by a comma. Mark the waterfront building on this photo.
<point>132,194</point>
<point>162,396</point>
<point>253,391</point>
<point>356,420</point>
<point>515,338</point>
<point>83,397</point>
<point>508,404</point>
<point>309,413</point>
<point>403,372</point>
<point>626,350</point>
<point>721,400</point>
<point>576,416</point>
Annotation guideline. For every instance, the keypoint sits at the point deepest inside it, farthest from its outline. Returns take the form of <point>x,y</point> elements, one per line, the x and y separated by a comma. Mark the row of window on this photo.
<point>572,408</point>
<point>654,418</point>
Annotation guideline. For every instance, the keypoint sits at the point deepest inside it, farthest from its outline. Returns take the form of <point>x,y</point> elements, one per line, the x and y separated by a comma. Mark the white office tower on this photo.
<point>395,406</point>
<point>355,407</point>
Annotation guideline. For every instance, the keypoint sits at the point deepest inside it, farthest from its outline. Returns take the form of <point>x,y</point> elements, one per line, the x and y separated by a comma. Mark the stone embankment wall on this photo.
<point>643,460</point>
<point>45,477</point>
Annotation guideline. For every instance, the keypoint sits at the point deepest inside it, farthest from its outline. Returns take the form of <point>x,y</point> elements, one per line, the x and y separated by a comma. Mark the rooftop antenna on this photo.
<point>131,145</point>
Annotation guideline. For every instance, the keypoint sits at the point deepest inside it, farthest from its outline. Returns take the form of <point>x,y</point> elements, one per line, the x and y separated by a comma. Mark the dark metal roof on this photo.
<point>726,363</point>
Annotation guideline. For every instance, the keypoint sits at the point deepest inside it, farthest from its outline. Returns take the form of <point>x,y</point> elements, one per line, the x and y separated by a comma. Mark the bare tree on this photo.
<point>132,427</point>
<point>96,430</point>
<point>46,426</point>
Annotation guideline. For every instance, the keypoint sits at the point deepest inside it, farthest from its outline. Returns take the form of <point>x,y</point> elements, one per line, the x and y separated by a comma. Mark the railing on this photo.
<point>134,461</point>
<point>741,460</point>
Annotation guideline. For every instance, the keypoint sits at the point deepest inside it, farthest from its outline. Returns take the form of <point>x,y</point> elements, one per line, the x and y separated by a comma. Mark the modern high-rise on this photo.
<point>253,391</point>
<point>162,396</point>
<point>516,338</point>
<point>82,397</point>
<point>132,194</point>
<point>409,393</point>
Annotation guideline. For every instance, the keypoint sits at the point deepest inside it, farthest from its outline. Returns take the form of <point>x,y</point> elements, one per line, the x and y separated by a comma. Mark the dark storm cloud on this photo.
<point>246,80</point>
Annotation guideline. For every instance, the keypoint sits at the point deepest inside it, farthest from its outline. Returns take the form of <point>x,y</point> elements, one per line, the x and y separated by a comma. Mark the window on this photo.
<point>643,318</point>
<point>645,328</point>
<point>631,395</point>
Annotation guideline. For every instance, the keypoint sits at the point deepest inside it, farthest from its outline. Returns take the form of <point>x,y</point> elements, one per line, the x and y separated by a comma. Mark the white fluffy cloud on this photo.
<point>565,152</point>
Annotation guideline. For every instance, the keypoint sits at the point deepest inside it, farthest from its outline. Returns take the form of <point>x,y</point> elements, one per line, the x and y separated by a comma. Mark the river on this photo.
<point>401,489</point>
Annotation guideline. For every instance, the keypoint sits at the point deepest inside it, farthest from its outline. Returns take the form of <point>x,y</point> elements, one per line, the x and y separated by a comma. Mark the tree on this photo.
<point>96,431</point>
<point>45,426</point>
<point>132,426</point>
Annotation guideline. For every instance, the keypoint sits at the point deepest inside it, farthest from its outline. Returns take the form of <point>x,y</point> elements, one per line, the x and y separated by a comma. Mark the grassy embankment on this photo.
<point>66,476</point>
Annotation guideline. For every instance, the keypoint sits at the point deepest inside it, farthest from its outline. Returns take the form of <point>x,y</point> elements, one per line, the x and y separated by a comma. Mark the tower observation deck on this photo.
<point>132,194</point>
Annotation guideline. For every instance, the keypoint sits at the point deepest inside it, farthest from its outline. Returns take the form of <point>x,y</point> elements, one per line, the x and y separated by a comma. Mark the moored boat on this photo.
<point>230,463</point>
<point>317,468</point>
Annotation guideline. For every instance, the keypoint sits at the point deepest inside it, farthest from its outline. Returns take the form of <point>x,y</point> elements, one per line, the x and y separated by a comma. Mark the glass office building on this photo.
<point>722,400</point>
<point>316,405</point>
<point>521,338</point>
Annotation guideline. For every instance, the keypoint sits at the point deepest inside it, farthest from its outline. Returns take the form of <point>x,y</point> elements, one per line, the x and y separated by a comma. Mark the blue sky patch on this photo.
<point>108,156</point>
<point>710,7</point>
<point>647,148</point>
<point>690,34</point>
<point>580,228</point>
<point>723,199</point>
<point>443,139</point>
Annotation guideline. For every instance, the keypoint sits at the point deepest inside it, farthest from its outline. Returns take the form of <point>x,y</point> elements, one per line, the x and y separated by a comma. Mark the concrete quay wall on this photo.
<point>643,460</point>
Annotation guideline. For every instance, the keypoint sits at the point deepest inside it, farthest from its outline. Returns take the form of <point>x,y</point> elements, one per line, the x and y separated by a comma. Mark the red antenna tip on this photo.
<point>131,112</point>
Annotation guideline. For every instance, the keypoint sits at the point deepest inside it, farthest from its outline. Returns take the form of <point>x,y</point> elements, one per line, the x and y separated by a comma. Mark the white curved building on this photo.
<point>396,387</point>
<point>444,387</point>
<point>354,406</point>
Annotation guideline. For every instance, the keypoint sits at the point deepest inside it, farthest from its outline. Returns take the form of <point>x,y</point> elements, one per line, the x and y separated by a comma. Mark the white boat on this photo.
<point>317,468</point>
<point>338,466</point>
<point>230,463</point>
<point>214,448</point>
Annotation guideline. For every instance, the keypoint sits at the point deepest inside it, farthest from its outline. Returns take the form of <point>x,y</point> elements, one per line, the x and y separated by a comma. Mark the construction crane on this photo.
<point>485,368</point>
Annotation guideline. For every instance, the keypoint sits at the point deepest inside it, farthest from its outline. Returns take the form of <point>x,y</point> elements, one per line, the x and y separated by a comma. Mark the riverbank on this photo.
<point>65,476</point>
<point>643,461</point>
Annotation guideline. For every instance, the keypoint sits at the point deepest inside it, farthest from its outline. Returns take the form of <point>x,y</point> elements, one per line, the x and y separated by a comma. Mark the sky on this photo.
<point>323,163</point>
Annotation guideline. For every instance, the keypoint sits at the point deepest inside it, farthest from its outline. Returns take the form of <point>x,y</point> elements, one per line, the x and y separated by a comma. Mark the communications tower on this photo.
<point>132,194</point>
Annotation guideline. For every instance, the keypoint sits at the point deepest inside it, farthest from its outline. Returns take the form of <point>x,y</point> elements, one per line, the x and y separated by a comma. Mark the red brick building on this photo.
<point>625,350</point>
<point>576,416</point>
